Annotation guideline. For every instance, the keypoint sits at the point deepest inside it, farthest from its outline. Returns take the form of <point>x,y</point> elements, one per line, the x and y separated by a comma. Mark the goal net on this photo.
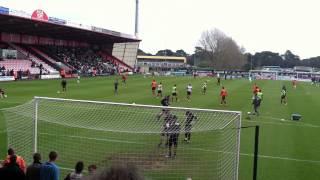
<point>150,137</point>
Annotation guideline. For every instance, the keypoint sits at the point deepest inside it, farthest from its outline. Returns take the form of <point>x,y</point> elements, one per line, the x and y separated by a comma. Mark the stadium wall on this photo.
<point>127,52</point>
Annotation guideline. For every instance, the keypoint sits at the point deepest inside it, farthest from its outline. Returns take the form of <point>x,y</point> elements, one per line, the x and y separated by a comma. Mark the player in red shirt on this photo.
<point>124,78</point>
<point>256,89</point>
<point>223,94</point>
<point>153,87</point>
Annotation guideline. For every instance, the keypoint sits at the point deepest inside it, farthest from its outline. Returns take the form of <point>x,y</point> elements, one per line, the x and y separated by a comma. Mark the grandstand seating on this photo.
<point>61,65</point>
<point>84,60</point>
<point>19,64</point>
<point>117,62</point>
<point>32,57</point>
<point>69,59</point>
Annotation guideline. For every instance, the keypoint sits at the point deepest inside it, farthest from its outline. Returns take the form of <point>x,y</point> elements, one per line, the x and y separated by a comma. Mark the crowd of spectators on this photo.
<point>18,74</point>
<point>82,60</point>
<point>14,168</point>
<point>78,60</point>
<point>6,72</point>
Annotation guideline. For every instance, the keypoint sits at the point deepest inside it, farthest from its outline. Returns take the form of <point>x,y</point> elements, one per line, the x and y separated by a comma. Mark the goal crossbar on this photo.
<point>133,104</point>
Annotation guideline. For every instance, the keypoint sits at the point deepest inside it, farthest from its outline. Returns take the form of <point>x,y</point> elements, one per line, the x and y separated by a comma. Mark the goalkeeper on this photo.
<point>168,118</point>
<point>190,119</point>
<point>173,131</point>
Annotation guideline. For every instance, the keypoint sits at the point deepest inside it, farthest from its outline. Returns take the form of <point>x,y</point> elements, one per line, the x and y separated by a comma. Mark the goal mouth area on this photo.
<point>106,133</point>
<point>120,117</point>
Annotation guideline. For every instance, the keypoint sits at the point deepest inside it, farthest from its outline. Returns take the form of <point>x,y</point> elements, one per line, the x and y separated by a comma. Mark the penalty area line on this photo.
<point>261,156</point>
<point>283,124</point>
<point>282,158</point>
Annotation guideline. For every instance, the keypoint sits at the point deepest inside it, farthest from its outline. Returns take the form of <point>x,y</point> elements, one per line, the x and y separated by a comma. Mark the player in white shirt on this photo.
<point>78,80</point>
<point>189,91</point>
<point>159,89</point>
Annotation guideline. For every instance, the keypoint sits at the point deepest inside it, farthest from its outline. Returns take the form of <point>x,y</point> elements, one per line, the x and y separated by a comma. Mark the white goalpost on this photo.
<point>149,137</point>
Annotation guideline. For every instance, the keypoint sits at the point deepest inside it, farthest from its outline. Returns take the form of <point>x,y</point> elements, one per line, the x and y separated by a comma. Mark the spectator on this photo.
<point>19,160</point>
<point>77,174</point>
<point>92,169</point>
<point>33,64</point>
<point>33,171</point>
<point>118,172</point>
<point>11,170</point>
<point>49,170</point>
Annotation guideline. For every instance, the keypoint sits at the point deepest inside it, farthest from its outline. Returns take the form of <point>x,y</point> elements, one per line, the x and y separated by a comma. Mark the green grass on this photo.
<point>288,150</point>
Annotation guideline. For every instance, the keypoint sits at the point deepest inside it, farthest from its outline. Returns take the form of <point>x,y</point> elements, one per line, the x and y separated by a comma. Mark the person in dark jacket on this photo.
<point>12,170</point>
<point>256,104</point>
<point>33,171</point>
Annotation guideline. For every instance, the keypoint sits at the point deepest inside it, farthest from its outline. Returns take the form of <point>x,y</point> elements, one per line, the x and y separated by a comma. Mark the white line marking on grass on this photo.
<point>98,139</point>
<point>282,158</point>
<point>69,169</point>
<point>283,123</point>
<point>260,156</point>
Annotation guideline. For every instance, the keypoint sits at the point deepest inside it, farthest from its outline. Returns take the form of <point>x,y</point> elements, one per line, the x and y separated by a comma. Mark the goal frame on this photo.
<point>38,98</point>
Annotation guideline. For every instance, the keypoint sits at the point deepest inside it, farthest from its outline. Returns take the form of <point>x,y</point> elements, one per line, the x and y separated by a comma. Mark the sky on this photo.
<point>257,25</point>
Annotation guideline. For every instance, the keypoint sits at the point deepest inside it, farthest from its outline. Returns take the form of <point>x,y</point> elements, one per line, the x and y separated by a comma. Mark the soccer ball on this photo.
<point>5,96</point>
<point>248,113</point>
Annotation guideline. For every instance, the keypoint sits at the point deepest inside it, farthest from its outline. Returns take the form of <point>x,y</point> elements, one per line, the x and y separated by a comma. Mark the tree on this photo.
<point>142,53</point>
<point>181,53</point>
<point>199,58</point>
<point>290,59</point>
<point>222,51</point>
<point>166,52</point>
<point>311,62</point>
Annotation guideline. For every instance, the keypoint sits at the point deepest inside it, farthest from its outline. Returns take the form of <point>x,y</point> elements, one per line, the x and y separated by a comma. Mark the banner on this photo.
<point>51,76</point>
<point>72,24</point>
<point>7,78</point>
<point>19,13</point>
<point>105,31</point>
<point>4,10</point>
<point>39,15</point>
<point>57,21</point>
<point>96,29</point>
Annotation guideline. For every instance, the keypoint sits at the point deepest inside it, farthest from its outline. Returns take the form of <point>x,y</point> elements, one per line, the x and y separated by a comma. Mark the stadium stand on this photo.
<point>62,48</point>
<point>18,65</point>
<point>47,68</point>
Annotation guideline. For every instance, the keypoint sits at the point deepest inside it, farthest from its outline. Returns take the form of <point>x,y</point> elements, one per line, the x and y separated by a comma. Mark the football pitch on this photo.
<point>287,150</point>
